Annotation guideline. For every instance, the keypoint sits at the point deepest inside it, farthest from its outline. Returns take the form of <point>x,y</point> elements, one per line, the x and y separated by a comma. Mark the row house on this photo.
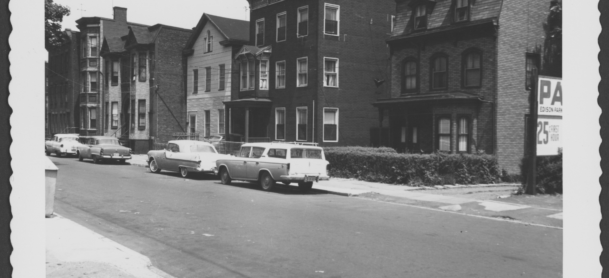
<point>143,85</point>
<point>460,76</point>
<point>311,70</point>
<point>209,54</point>
<point>63,88</point>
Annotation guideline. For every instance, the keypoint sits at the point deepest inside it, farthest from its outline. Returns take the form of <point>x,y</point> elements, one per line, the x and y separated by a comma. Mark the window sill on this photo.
<point>330,86</point>
<point>335,35</point>
<point>302,36</point>
<point>330,141</point>
<point>301,86</point>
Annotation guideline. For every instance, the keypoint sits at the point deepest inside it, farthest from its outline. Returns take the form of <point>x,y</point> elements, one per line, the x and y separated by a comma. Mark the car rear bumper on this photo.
<point>115,157</point>
<point>297,178</point>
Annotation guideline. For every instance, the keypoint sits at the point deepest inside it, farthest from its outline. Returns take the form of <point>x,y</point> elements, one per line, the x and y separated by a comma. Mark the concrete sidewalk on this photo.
<point>473,203</point>
<point>75,251</point>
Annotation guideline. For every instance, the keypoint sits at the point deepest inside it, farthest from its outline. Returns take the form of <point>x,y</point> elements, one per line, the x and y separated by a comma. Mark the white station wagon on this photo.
<point>269,163</point>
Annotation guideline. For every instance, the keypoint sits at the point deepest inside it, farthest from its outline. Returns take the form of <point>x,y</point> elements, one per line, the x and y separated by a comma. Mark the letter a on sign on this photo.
<point>557,94</point>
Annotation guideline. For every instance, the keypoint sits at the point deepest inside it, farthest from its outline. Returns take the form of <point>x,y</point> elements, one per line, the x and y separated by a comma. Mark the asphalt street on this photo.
<point>198,227</point>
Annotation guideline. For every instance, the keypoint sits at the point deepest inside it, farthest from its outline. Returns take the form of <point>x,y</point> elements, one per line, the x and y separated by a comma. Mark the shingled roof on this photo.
<point>232,29</point>
<point>441,16</point>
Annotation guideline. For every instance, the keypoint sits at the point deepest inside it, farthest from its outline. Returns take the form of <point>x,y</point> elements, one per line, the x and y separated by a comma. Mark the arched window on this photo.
<point>410,76</point>
<point>439,71</point>
<point>472,68</point>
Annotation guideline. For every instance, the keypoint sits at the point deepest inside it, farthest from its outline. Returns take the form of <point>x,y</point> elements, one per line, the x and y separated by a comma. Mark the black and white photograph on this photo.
<point>305,138</point>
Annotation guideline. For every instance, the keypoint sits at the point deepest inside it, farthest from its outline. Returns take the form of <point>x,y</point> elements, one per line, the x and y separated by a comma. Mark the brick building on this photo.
<point>459,76</point>
<point>143,85</point>
<point>209,55</point>
<point>62,105</point>
<point>311,70</point>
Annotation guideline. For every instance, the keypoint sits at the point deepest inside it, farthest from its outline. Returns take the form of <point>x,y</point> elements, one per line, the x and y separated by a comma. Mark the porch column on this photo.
<point>380,126</point>
<point>247,124</point>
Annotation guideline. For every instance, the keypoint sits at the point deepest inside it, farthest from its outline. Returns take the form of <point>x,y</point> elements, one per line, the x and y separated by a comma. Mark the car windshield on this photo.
<point>200,148</point>
<point>65,139</point>
<point>305,153</point>
<point>108,141</point>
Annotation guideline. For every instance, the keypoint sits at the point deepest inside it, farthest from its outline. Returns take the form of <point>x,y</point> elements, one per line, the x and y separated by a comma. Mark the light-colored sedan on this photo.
<point>62,144</point>
<point>103,148</point>
<point>269,163</point>
<point>184,156</point>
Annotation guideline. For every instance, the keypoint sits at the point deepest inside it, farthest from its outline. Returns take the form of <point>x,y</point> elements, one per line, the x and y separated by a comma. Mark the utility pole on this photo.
<point>532,150</point>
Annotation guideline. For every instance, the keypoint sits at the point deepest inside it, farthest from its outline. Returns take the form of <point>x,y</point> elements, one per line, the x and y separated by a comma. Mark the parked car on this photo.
<point>225,143</point>
<point>269,163</point>
<point>100,148</point>
<point>62,144</point>
<point>184,156</point>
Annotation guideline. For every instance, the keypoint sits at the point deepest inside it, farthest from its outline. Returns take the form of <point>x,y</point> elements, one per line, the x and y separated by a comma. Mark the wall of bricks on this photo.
<point>520,32</point>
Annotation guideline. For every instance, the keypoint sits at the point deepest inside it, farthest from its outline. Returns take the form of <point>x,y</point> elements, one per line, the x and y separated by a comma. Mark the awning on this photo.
<point>249,102</point>
<point>433,97</point>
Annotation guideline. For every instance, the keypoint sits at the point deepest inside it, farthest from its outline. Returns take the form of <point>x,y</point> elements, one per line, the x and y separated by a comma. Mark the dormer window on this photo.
<point>462,11</point>
<point>420,18</point>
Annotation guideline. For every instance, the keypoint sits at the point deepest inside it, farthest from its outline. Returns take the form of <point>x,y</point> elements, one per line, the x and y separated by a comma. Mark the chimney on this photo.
<point>120,14</point>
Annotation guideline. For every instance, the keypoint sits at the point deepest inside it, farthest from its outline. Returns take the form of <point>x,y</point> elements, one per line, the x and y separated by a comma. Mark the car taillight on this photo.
<point>61,146</point>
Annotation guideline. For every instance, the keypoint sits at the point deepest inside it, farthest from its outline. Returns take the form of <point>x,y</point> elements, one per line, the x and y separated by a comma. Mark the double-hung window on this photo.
<point>462,10</point>
<point>302,28</point>
<point>420,18</point>
<point>93,47</point>
<point>260,32</point>
<point>93,118</point>
<point>93,81</point>
<point>264,74</point>
<point>207,122</point>
<point>142,66</point>
<point>444,134</point>
<point>331,19</point>
<point>301,123</point>
<point>222,84</point>
<point>439,73</point>
<point>302,69</point>
<point>85,82</point>
<point>208,79</point>
<point>330,72</point>
<point>281,26</point>
<point>192,122</point>
<point>410,76</point>
<point>209,42</point>
<point>115,69</point>
<point>221,122</point>
<point>280,123</point>
<point>472,71</point>
<point>195,81</point>
<point>463,135</point>
<point>114,115</point>
<point>142,114</point>
<point>133,66</point>
<point>330,125</point>
<point>280,75</point>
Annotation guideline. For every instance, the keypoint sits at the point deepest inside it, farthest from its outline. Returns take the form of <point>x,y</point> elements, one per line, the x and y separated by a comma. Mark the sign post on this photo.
<point>545,122</point>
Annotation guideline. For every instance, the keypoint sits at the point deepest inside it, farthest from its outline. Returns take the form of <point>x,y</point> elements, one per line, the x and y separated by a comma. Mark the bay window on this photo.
<point>93,81</point>
<point>264,74</point>
<point>93,118</point>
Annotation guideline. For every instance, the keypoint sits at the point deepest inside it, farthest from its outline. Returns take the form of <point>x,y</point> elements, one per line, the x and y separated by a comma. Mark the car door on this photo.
<point>184,157</point>
<point>238,167</point>
<point>170,163</point>
<point>253,163</point>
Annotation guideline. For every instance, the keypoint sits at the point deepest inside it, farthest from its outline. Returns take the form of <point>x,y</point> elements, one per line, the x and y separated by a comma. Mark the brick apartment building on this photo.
<point>460,76</point>
<point>311,71</point>
<point>62,82</point>
<point>209,53</point>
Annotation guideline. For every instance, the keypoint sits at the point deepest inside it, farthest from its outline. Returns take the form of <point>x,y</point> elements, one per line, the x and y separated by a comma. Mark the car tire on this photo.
<point>79,157</point>
<point>225,177</point>
<point>305,186</point>
<point>47,152</point>
<point>153,167</point>
<point>266,181</point>
<point>183,172</point>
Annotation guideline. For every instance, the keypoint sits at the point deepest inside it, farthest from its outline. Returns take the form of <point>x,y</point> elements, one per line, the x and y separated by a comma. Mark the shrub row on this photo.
<point>548,176</point>
<point>372,164</point>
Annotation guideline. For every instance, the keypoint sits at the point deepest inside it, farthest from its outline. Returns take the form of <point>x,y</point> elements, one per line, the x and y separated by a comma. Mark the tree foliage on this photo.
<point>53,16</point>
<point>552,54</point>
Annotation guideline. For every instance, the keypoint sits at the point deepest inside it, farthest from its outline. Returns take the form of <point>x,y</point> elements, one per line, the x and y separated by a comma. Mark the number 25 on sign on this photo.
<point>548,136</point>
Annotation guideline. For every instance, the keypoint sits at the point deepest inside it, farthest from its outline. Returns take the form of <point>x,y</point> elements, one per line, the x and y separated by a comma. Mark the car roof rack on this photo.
<point>296,143</point>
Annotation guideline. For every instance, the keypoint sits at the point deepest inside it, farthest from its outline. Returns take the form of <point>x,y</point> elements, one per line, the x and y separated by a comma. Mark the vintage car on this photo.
<point>102,148</point>
<point>269,163</point>
<point>184,156</point>
<point>62,144</point>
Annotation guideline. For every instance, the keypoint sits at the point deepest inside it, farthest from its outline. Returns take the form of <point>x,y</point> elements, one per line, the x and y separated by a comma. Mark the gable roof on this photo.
<point>233,30</point>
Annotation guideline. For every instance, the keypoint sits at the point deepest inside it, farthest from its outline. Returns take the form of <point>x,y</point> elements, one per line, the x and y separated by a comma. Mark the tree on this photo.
<point>552,53</point>
<point>53,16</point>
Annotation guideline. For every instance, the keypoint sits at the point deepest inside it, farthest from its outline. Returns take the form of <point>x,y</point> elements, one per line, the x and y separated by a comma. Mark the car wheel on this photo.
<point>183,172</point>
<point>305,186</point>
<point>79,157</point>
<point>154,168</point>
<point>224,177</point>
<point>266,181</point>
<point>47,152</point>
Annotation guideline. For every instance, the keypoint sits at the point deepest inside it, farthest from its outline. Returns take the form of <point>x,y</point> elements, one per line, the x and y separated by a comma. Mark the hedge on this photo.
<point>382,165</point>
<point>549,173</point>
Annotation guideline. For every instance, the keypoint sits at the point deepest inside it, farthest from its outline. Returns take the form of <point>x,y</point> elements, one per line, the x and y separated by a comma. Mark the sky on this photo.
<point>178,13</point>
